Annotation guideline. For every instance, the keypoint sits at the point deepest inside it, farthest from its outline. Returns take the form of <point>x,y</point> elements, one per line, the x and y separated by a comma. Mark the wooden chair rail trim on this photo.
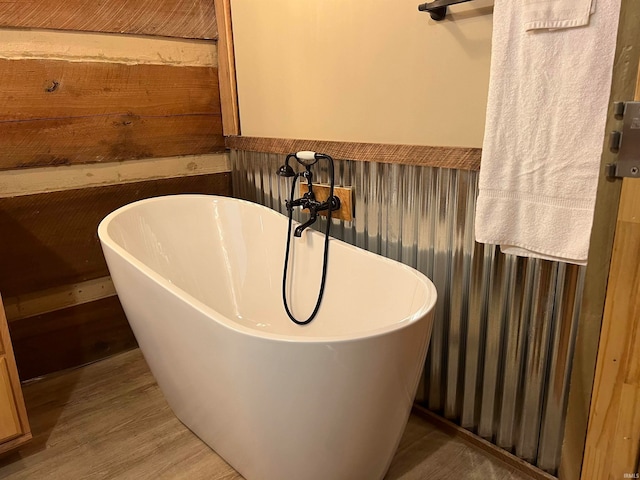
<point>461,158</point>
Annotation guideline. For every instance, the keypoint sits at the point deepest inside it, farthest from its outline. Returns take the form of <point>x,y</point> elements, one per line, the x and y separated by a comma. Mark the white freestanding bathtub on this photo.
<point>200,280</point>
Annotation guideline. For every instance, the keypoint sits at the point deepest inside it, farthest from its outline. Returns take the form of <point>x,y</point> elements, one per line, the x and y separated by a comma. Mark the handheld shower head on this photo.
<point>286,170</point>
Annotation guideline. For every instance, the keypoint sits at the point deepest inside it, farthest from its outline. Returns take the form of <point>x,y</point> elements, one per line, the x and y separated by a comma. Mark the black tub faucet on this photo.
<point>308,200</point>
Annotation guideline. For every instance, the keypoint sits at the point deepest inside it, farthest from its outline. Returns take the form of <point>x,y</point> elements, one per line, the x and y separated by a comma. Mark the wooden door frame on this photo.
<point>227,70</point>
<point>613,436</point>
<point>599,284</point>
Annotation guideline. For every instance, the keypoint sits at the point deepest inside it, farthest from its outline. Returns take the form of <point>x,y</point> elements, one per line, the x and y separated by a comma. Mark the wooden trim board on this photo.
<point>491,449</point>
<point>227,69</point>
<point>170,18</point>
<point>105,48</point>
<point>461,158</point>
<point>58,298</point>
<point>28,181</point>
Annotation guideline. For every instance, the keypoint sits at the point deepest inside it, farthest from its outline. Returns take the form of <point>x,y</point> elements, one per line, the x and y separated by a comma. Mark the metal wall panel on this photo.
<point>502,344</point>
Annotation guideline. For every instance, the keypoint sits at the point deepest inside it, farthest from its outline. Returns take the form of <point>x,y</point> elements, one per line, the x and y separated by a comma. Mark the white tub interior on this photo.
<point>228,254</point>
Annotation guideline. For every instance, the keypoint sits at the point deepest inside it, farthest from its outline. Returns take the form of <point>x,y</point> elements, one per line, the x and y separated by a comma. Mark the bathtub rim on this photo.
<point>425,309</point>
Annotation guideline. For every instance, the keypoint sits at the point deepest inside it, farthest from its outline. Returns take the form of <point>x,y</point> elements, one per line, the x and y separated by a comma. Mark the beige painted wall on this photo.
<point>376,71</point>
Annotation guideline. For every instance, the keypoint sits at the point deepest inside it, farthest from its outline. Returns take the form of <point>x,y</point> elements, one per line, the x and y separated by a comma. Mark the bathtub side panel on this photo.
<point>191,357</point>
<point>276,410</point>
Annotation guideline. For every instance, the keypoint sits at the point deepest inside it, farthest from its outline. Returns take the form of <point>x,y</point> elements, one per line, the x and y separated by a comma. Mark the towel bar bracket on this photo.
<point>438,8</point>
<point>626,142</point>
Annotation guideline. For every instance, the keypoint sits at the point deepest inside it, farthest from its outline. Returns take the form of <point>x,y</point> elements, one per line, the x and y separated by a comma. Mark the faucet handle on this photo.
<point>334,203</point>
<point>309,196</point>
<point>306,158</point>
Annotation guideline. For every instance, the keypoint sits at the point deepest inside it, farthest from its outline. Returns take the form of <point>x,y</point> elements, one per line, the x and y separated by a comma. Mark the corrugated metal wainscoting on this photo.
<point>503,339</point>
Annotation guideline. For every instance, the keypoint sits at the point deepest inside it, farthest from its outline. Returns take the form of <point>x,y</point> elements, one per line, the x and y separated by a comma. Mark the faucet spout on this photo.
<point>301,228</point>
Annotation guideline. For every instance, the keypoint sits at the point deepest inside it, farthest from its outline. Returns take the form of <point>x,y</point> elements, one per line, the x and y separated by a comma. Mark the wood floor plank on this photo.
<point>109,420</point>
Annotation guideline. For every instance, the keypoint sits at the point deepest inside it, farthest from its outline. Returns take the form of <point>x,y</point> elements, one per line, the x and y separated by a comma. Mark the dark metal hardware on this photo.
<point>626,142</point>
<point>618,109</point>
<point>308,200</point>
<point>614,141</point>
<point>438,8</point>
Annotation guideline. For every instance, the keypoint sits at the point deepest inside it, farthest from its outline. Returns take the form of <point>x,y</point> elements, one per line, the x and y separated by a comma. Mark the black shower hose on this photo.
<point>325,255</point>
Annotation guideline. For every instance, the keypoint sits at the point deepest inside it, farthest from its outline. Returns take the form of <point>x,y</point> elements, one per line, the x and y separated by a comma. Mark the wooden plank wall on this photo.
<point>90,122</point>
<point>169,18</point>
<point>77,112</point>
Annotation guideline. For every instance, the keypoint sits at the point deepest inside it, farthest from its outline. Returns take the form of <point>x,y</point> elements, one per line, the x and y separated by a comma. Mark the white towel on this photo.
<point>546,115</point>
<point>557,13</point>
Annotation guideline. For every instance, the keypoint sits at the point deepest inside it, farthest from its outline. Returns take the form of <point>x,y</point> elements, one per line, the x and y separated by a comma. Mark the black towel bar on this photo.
<point>438,8</point>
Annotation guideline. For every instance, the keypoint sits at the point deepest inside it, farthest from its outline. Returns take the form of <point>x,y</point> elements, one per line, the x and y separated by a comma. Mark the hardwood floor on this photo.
<point>109,420</point>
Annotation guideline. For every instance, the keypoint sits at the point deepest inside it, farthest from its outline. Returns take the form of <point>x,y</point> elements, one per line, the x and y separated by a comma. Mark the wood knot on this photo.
<point>53,87</point>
